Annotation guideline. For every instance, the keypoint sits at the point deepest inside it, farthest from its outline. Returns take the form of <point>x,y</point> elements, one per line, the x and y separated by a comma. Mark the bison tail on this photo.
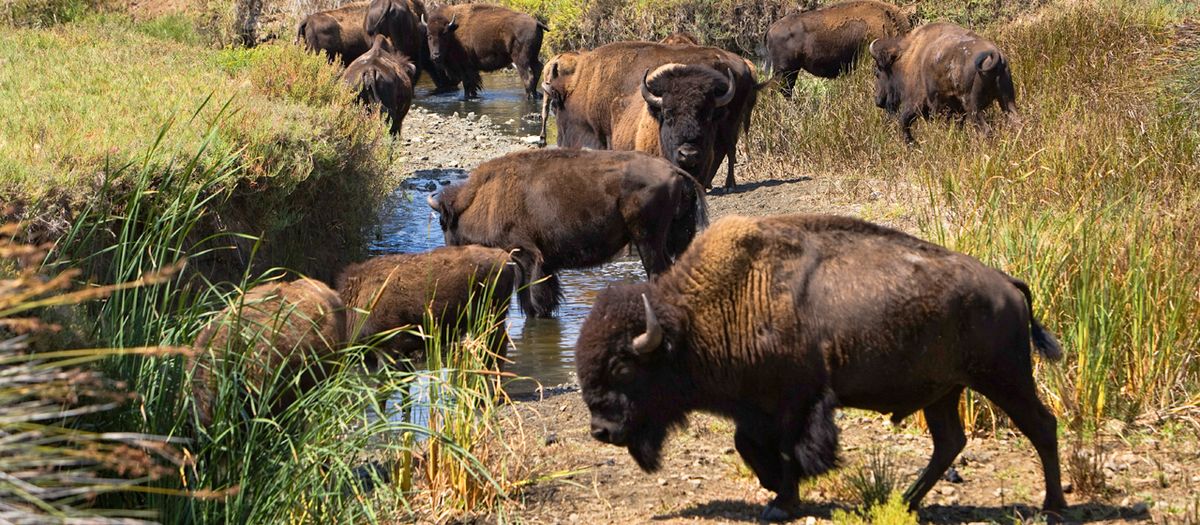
<point>701,203</point>
<point>300,30</point>
<point>987,61</point>
<point>1043,341</point>
<point>543,26</point>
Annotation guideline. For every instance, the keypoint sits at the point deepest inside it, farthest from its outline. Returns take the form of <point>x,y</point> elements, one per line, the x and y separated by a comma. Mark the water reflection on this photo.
<point>502,100</point>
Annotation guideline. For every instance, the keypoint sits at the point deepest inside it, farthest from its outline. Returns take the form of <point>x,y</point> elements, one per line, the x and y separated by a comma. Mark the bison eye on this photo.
<point>622,373</point>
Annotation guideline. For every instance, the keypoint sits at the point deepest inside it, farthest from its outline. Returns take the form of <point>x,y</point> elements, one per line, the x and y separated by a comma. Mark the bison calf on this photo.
<point>774,321</point>
<point>385,77</point>
<point>449,284</point>
<point>940,69</point>
<point>827,41</point>
<point>558,209</point>
<point>280,330</point>
<point>466,39</point>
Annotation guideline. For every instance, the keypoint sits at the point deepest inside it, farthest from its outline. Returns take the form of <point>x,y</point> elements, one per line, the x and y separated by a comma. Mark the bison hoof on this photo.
<point>773,513</point>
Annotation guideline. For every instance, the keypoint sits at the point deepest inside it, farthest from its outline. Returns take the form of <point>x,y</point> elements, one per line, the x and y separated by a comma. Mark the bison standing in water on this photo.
<point>384,77</point>
<point>941,69</point>
<point>400,21</point>
<point>827,41</point>
<point>281,330</point>
<point>774,321</point>
<point>686,103</point>
<point>395,291</point>
<point>559,209</point>
<point>466,39</point>
<point>340,32</point>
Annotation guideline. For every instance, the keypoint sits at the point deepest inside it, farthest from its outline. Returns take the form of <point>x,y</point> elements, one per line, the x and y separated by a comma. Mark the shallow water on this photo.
<point>543,348</point>
<point>502,99</point>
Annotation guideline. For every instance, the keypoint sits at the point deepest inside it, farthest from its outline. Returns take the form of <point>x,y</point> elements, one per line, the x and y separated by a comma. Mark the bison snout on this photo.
<point>687,156</point>
<point>607,432</point>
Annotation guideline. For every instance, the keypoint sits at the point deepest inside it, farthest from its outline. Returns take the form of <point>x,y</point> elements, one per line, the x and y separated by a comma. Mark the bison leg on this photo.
<point>472,83</point>
<point>787,82</point>
<point>907,118</point>
<point>1018,398</point>
<point>755,440</point>
<point>808,446</point>
<point>948,440</point>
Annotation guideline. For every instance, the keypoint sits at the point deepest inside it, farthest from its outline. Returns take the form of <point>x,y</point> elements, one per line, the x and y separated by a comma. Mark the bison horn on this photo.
<point>423,19</point>
<point>730,90</point>
<point>433,203</point>
<point>651,98</point>
<point>649,341</point>
<point>453,23</point>
<point>871,47</point>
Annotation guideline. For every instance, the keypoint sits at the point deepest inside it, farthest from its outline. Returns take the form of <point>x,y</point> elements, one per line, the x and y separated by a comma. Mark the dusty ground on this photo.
<point>702,479</point>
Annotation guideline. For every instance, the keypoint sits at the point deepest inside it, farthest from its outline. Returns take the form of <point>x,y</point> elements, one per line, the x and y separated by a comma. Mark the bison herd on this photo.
<point>771,322</point>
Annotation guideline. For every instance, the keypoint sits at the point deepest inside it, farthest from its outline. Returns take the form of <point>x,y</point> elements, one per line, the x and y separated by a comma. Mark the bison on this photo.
<point>680,38</point>
<point>400,21</point>
<point>563,208</point>
<point>941,69</point>
<point>281,330</point>
<point>446,285</point>
<point>563,64</point>
<point>772,322</point>
<point>385,77</point>
<point>466,39</point>
<point>827,41</point>
<point>686,103</point>
<point>340,33</point>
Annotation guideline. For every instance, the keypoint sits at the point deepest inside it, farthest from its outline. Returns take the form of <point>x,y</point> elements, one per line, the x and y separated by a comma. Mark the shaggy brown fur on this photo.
<point>385,77</point>
<point>400,21</point>
<point>826,42</point>
<point>337,32</point>
<point>465,39</point>
<point>397,291</point>
<point>563,64</point>
<point>603,95</point>
<point>773,321</point>
<point>565,208</point>
<point>290,328</point>
<point>941,69</point>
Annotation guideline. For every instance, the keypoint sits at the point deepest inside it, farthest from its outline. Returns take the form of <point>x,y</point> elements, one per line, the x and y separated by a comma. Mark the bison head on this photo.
<point>443,205</point>
<point>439,31</point>
<point>887,88</point>
<point>632,387</point>
<point>688,103</point>
<point>381,14</point>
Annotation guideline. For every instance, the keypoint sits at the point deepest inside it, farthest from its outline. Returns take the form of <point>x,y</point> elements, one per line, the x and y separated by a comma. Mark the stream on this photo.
<point>543,349</point>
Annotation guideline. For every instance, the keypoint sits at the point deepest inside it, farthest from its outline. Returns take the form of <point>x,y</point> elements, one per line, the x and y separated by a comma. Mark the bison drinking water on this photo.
<point>558,209</point>
<point>827,41</point>
<point>686,103</point>
<point>282,330</point>
<point>384,77</point>
<point>940,69</point>
<point>773,321</point>
<point>466,39</point>
<point>396,291</point>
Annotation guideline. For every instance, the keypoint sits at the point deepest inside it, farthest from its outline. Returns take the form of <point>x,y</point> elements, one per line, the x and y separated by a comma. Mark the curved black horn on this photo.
<point>649,341</point>
<point>730,90</point>
<point>651,98</point>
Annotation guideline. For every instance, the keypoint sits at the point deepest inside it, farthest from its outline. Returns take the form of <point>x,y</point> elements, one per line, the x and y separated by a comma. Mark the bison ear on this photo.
<point>884,52</point>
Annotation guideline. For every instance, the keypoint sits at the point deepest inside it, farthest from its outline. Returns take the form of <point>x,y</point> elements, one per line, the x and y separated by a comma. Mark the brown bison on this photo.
<point>827,41</point>
<point>385,77</point>
<point>397,291</point>
<point>941,69</point>
<point>773,322</point>
<point>561,208</point>
<point>340,33</point>
<point>466,39</point>
<point>400,21</point>
<point>281,330</point>
<point>563,64</point>
<point>686,103</point>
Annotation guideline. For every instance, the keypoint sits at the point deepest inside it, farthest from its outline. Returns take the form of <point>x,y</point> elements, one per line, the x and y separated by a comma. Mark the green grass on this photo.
<point>81,99</point>
<point>1090,195</point>
<point>893,511</point>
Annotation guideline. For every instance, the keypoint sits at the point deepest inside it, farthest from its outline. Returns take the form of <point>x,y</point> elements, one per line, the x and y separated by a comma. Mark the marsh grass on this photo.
<point>1089,195</point>
<point>871,482</point>
<point>891,510</point>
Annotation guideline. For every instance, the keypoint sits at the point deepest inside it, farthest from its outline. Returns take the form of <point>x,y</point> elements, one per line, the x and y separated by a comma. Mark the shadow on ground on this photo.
<point>745,512</point>
<point>751,186</point>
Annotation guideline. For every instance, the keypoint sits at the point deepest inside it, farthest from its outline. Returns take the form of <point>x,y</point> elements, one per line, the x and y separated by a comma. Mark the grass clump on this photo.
<point>78,102</point>
<point>874,480</point>
<point>1089,195</point>
<point>892,511</point>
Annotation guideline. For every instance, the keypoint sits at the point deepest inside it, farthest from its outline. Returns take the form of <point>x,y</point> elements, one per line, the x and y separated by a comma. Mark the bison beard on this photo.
<point>646,447</point>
